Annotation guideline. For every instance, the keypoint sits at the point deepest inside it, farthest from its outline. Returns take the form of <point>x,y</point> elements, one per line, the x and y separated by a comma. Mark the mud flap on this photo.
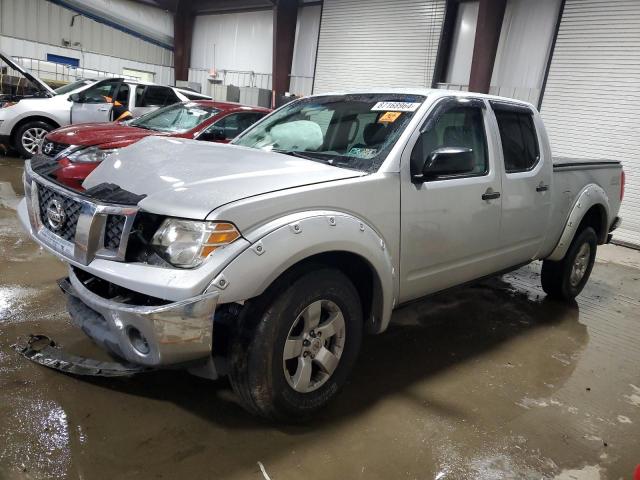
<point>41,349</point>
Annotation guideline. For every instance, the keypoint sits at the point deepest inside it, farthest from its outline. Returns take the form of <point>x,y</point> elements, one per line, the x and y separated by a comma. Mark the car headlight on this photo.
<point>187,243</point>
<point>90,155</point>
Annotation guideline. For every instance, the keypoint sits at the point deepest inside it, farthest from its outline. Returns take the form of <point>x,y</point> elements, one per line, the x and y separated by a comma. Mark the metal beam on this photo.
<point>168,5</point>
<point>285,16</point>
<point>183,21</point>
<point>209,7</point>
<point>117,22</point>
<point>488,27</point>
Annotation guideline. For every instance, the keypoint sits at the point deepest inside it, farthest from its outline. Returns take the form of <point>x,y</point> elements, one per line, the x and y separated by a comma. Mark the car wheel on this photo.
<point>566,278</point>
<point>296,345</point>
<point>29,136</point>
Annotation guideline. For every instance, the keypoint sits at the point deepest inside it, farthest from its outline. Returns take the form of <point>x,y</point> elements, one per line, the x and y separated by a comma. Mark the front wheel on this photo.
<point>566,278</point>
<point>296,345</point>
<point>29,136</point>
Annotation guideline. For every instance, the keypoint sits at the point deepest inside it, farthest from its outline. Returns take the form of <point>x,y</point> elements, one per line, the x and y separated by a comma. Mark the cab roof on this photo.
<point>425,92</point>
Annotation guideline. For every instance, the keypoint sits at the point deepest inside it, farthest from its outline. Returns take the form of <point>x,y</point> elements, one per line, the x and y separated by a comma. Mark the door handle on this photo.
<point>542,188</point>
<point>490,195</point>
<point>104,109</point>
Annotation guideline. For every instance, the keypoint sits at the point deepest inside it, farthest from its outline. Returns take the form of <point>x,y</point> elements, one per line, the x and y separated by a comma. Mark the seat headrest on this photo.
<point>373,134</point>
<point>457,136</point>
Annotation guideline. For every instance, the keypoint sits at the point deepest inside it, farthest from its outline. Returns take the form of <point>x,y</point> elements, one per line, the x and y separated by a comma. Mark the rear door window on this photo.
<point>520,148</point>
<point>139,93</point>
<point>156,96</point>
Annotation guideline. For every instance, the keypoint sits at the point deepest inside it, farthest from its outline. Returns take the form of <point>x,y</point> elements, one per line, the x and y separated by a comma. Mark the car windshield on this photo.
<point>70,87</point>
<point>351,131</point>
<point>176,118</point>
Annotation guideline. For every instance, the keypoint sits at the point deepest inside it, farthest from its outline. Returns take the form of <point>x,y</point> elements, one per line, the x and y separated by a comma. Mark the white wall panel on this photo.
<point>305,48</point>
<point>464,36</point>
<point>233,41</point>
<point>525,43</point>
<point>593,88</point>
<point>378,43</point>
<point>34,50</point>
<point>44,22</point>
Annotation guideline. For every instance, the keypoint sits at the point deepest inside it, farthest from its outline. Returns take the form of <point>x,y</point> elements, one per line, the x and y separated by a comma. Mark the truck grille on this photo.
<point>51,149</point>
<point>113,231</point>
<point>63,218</point>
<point>78,227</point>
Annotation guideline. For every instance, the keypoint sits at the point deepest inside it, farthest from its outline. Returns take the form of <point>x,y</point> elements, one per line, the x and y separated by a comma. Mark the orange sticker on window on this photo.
<point>389,117</point>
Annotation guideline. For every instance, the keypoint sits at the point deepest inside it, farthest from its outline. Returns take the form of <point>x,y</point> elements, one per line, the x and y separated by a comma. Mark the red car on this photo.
<point>80,148</point>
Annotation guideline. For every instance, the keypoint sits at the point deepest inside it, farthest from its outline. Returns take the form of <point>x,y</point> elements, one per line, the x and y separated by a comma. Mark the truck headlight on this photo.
<point>187,243</point>
<point>90,155</point>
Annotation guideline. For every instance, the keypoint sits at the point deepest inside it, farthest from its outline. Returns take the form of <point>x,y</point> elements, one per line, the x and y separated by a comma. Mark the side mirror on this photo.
<point>447,161</point>
<point>75,97</point>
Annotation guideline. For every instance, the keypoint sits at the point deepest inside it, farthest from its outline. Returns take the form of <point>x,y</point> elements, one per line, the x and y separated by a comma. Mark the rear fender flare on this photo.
<point>281,244</point>
<point>591,195</point>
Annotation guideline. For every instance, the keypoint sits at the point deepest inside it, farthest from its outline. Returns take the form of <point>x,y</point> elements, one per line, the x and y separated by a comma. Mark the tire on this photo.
<point>278,389</point>
<point>565,279</point>
<point>29,135</point>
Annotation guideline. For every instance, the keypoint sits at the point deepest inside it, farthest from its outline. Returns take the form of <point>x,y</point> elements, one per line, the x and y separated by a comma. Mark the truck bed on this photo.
<point>570,177</point>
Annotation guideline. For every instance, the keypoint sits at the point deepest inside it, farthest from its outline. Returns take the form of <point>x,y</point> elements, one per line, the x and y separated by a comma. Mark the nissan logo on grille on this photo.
<point>48,148</point>
<point>55,215</point>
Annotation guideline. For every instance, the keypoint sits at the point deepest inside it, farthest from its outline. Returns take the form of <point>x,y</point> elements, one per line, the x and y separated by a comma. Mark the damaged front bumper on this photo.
<point>154,336</point>
<point>41,349</point>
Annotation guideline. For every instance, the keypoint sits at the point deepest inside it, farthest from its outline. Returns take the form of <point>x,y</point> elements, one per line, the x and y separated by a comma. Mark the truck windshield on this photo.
<point>176,118</point>
<point>351,131</point>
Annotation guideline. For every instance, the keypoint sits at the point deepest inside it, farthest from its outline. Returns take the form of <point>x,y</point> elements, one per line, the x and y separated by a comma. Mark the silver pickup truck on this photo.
<point>267,260</point>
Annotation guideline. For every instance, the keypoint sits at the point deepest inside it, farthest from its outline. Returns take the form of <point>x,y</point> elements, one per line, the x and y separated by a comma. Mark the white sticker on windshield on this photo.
<point>395,107</point>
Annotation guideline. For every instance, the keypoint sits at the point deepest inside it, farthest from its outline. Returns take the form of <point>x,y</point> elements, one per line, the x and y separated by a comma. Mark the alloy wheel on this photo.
<point>31,139</point>
<point>314,346</point>
<point>580,265</point>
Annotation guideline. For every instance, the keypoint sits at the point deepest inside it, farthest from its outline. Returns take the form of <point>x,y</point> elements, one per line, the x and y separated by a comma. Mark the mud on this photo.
<point>492,381</point>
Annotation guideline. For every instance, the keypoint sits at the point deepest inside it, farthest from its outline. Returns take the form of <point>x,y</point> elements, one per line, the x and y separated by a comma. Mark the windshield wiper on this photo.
<point>302,154</point>
<point>335,160</point>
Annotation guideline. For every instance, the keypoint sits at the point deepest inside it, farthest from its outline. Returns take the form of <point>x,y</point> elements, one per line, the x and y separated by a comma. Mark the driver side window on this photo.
<point>459,126</point>
<point>101,93</point>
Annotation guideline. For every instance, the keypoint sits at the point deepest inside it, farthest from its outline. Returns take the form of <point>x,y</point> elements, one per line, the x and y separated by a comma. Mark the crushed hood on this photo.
<point>187,178</point>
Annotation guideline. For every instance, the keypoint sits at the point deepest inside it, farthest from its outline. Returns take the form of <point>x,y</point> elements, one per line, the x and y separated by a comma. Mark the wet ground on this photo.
<point>487,382</point>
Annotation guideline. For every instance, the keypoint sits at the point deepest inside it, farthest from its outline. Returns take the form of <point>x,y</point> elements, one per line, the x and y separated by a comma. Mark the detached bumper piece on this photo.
<point>41,349</point>
<point>161,335</point>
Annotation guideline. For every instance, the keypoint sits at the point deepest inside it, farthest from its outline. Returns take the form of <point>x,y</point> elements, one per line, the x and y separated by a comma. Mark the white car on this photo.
<point>25,120</point>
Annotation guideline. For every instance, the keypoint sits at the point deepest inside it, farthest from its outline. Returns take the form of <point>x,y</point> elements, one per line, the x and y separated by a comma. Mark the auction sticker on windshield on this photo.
<point>395,107</point>
<point>389,117</point>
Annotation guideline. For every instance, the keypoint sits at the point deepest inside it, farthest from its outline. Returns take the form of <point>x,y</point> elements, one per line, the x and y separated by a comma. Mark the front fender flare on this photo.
<point>591,195</point>
<point>281,244</point>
